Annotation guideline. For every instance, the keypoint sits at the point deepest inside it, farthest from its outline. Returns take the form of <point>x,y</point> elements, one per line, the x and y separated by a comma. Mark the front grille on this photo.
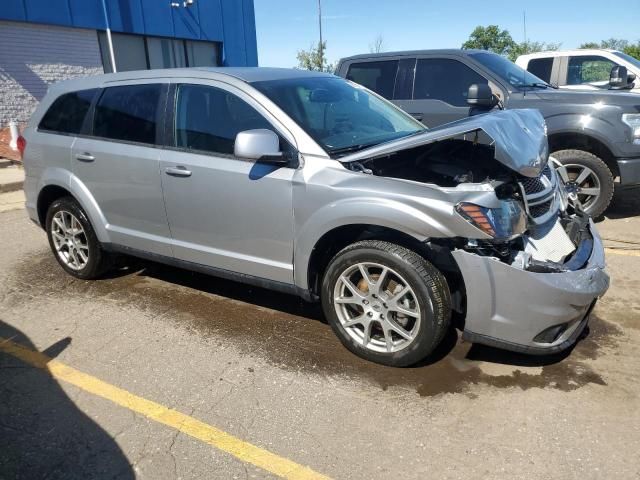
<point>539,210</point>
<point>533,185</point>
<point>539,194</point>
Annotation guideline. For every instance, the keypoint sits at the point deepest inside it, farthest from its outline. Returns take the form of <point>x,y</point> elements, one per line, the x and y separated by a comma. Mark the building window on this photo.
<point>202,54</point>
<point>166,52</point>
<point>137,52</point>
<point>129,51</point>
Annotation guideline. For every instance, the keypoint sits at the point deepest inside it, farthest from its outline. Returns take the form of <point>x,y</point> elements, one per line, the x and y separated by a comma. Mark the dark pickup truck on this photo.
<point>595,135</point>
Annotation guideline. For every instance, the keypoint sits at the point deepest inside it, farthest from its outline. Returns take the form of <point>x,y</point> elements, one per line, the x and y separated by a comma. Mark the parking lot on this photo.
<point>163,373</point>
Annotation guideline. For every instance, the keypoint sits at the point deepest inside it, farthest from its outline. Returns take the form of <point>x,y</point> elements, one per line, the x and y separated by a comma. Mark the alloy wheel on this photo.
<point>69,240</point>
<point>377,307</point>
<point>582,184</point>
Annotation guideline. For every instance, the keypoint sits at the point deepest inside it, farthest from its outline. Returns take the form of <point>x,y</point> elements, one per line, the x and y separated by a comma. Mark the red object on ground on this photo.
<point>5,150</point>
<point>21,143</point>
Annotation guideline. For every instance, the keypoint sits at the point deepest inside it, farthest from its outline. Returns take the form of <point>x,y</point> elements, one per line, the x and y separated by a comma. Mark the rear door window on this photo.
<point>541,68</point>
<point>444,79</point>
<point>377,76</point>
<point>128,113</point>
<point>588,69</point>
<point>67,113</point>
<point>209,118</point>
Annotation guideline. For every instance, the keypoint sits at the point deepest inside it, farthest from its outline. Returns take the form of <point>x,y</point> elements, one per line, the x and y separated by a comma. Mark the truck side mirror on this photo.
<point>619,79</point>
<point>481,99</point>
<point>480,95</point>
<point>631,79</point>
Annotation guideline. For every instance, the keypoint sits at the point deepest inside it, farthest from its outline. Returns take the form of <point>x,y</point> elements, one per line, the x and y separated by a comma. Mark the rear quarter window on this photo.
<point>377,76</point>
<point>541,68</point>
<point>67,113</point>
<point>128,112</point>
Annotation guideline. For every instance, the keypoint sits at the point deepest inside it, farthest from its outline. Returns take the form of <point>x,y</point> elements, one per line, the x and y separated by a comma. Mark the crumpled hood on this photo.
<point>518,136</point>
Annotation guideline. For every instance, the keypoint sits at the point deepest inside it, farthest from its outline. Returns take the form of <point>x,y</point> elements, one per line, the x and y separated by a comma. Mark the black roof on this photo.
<point>408,53</point>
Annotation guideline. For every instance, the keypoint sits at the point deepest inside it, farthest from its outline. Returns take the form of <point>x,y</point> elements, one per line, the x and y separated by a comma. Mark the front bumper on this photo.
<point>508,307</point>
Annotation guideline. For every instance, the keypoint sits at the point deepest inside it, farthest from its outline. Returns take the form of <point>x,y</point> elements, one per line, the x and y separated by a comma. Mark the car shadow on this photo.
<point>43,434</point>
<point>292,305</point>
<point>258,296</point>
<point>625,203</point>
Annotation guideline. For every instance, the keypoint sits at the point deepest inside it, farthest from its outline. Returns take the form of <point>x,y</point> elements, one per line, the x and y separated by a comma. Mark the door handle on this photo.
<point>417,116</point>
<point>85,157</point>
<point>177,171</point>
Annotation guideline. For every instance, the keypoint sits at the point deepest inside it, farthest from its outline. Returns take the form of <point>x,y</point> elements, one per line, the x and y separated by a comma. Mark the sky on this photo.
<point>350,26</point>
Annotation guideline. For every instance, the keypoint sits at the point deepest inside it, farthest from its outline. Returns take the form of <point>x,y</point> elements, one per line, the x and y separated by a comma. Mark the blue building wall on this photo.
<point>231,22</point>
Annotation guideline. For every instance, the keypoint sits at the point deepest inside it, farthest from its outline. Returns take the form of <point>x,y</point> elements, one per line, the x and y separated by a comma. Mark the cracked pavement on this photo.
<point>265,368</point>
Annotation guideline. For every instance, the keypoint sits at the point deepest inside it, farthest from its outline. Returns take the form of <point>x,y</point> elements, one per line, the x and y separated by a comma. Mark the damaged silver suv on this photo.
<point>306,183</point>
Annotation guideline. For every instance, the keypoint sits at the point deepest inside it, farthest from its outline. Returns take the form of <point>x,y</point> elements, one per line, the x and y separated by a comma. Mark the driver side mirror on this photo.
<point>620,79</point>
<point>481,96</point>
<point>260,144</point>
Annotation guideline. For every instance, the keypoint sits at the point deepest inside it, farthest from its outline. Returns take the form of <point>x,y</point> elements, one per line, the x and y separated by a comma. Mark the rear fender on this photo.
<point>78,190</point>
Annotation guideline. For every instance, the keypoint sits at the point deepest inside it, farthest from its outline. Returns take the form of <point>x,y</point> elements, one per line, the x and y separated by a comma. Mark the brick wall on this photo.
<point>33,56</point>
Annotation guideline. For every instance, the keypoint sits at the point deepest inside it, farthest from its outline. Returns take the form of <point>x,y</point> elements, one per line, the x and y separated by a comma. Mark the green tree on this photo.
<point>619,44</point>
<point>633,50</point>
<point>490,38</point>
<point>528,46</point>
<point>315,58</point>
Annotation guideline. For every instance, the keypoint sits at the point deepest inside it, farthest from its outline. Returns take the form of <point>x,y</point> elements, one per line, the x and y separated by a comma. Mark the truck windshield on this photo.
<point>341,116</point>
<point>633,61</point>
<point>509,71</point>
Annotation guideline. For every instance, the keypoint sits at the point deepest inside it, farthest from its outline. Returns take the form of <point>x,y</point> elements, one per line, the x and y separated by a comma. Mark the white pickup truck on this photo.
<point>584,69</point>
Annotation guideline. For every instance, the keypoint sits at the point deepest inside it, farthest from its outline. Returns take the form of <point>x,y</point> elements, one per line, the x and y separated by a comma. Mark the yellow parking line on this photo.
<point>619,251</point>
<point>213,436</point>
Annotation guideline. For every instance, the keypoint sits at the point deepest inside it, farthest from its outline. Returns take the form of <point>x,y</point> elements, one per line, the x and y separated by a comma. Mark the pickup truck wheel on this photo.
<point>386,303</point>
<point>73,240</point>
<point>588,178</point>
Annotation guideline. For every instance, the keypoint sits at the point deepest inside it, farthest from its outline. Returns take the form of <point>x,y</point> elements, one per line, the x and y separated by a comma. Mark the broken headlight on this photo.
<point>503,223</point>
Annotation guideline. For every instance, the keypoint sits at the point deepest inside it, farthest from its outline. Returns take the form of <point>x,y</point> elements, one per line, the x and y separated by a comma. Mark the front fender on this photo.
<point>65,179</point>
<point>364,211</point>
<point>601,129</point>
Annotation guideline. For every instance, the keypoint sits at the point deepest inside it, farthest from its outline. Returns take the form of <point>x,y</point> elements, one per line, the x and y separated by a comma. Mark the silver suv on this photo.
<point>306,183</point>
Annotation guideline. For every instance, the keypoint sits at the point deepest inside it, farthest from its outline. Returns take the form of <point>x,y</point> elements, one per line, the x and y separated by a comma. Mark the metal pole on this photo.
<point>320,47</point>
<point>109,40</point>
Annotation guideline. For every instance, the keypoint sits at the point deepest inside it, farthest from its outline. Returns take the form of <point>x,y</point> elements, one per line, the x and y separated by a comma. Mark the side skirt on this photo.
<point>282,287</point>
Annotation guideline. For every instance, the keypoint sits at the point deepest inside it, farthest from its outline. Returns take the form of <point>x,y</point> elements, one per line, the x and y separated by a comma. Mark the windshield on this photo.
<point>342,117</point>
<point>508,70</point>
<point>633,61</point>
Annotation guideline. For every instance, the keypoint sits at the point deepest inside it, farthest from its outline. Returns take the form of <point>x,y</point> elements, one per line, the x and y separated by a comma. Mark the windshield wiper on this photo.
<point>539,85</point>
<point>351,148</point>
<point>362,146</point>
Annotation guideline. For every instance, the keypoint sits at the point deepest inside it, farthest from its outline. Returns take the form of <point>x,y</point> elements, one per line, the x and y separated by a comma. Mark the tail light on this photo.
<point>21,144</point>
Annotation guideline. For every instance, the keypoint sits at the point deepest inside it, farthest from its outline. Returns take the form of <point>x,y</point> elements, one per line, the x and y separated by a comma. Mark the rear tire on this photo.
<point>597,181</point>
<point>73,241</point>
<point>386,303</point>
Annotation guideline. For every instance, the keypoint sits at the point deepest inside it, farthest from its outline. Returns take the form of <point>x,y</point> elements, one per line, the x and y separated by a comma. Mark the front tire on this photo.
<point>73,240</point>
<point>386,303</point>
<point>588,178</point>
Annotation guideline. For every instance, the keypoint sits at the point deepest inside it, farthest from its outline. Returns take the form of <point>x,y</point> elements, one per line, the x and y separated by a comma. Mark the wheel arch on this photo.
<point>56,184</point>
<point>437,253</point>
<point>586,142</point>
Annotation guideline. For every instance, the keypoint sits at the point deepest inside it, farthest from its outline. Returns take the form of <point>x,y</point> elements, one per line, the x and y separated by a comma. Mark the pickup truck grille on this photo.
<point>541,196</point>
